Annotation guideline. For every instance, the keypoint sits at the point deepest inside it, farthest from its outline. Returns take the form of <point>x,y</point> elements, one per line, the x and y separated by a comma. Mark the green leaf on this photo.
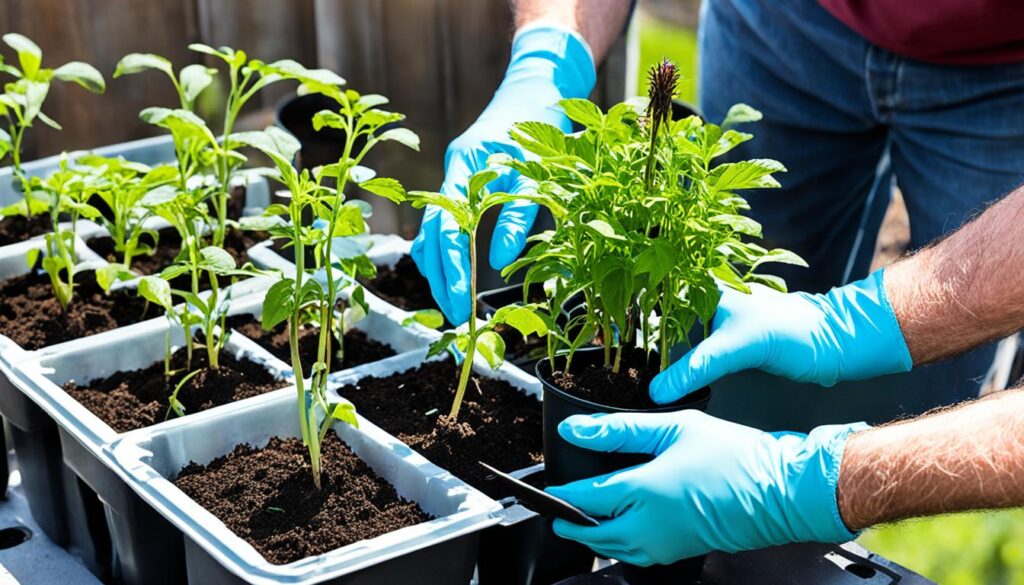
<point>329,119</point>
<point>442,344</point>
<point>107,275</point>
<point>349,221</point>
<point>479,180</point>
<point>194,79</point>
<point>603,229</point>
<point>32,256</point>
<point>780,256</point>
<point>740,114</point>
<point>584,112</point>
<point>216,259</point>
<point>769,280</point>
<point>5,143</point>
<point>48,121</point>
<point>739,223</point>
<point>133,63</point>
<point>344,411</point>
<point>29,54</point>
<point>430,318</point>
<point>750,174</point>
<point>657,261</point>
<point>290,69</point>
<point>83,74</point>
<point>273,141</point>
<point>402,136</point>
<point>726,274</point>
<point>614,283</point>
<point>156,290</point>
<point>522,319</point>
<point>35,95</point>
<point>492,347</point>
<point>277,305</point>
<point>260,223</point>
<point>386,187</point>
<point>540,138</point>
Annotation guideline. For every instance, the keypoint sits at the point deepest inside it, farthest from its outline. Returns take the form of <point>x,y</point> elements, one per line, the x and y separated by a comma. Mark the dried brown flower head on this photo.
<point>664,80</point>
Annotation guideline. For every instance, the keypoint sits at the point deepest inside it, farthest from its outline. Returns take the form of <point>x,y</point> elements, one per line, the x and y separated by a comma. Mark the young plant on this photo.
<point>467,212</point>
<point>647,227</point>
<point>339,256</point>
<point>68,192</point>
<point>21,104</point>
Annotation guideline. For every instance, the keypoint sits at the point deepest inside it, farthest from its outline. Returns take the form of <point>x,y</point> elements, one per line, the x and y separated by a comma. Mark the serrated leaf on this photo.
<point>386,187</point>
<point>739,223</point>
<point>750,174</point>
<point>492,347</point>
<point>583,111</point>
<point>540,138</point>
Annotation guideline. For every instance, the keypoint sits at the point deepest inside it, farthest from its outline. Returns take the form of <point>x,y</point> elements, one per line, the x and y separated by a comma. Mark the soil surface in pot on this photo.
<point>267,497</point>
<point>403,286</point>
<point>236,243</point>
<point>132,400</point>
<point>359,349</point>
<point>498,424</point>
<point>17,228</point>
<point>626,389</point>
<point>31,316</point>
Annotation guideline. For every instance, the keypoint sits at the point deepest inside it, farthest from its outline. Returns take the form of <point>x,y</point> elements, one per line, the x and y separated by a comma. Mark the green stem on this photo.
<point>467,364</point>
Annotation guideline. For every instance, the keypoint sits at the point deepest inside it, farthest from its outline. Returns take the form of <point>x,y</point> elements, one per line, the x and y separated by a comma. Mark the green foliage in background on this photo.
<point>983,548</point>
<point>663,40</point>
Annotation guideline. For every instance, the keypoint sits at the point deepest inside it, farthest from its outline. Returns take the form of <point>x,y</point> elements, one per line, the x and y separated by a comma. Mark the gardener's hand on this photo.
<point>549,63</point>
<point>714,485</point>
<point>850,333</point>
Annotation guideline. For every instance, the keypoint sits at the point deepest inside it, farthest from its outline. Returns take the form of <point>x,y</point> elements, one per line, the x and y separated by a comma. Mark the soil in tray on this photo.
<point>31,316</point>
<point>131,400</point>
<point>236,243</point>
<point>267,497</point>
<point>627,389</point>
<point>403,286</point>
<point>17,228</point>
<point>359,349</point>
<point>498,424</point>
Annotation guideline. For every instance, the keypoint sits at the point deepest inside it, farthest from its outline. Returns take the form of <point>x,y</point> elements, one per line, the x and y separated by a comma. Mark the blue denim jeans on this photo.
<point>846,118</point>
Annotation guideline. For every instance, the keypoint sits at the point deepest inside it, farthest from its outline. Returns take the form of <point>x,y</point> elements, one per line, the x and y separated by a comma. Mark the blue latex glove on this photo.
<point>714,485</point>
<point>548,64</point>
<point>850,333</point>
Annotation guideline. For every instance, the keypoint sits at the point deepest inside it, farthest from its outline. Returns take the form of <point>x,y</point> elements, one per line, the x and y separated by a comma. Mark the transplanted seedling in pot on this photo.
<point>338,254</point>
<point>467,212</point>
<point>21,104</point>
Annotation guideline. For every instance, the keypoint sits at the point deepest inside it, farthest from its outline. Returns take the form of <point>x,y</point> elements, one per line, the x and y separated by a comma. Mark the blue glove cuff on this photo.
<point>867,329</point>
<point>815,479</point>
<point>558,51</point>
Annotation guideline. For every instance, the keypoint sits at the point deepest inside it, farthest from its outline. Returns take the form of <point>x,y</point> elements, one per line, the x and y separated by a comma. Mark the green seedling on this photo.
<point>21,104</point>
<point>467,212</point>
<point>338,252</point>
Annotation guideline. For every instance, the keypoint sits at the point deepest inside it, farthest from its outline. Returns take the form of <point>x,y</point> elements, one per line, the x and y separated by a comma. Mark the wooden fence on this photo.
<point>438,60</point>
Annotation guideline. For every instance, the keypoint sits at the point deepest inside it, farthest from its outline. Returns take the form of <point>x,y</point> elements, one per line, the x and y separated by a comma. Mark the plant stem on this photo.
<point>467,363</point>
<point>293,343</point>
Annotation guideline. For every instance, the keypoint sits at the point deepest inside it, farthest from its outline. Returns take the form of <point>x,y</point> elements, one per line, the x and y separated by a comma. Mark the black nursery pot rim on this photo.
<point>697,400</point>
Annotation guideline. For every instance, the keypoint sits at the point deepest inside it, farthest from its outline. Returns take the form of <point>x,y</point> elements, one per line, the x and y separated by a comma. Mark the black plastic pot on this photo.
<point>295,114</point>
<point>565,463</point>
<point>523,550</point>
<point>147,547</point>
<point>443,563</point>
<point>66,510</point>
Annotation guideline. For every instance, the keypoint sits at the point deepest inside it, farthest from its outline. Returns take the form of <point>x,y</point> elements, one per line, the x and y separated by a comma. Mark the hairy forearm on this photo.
<point>599,21</point>
<point>964,458</point>
<point>966,289</point>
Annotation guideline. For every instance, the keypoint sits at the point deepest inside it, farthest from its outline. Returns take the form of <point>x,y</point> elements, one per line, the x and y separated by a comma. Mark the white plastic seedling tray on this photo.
<point>152,457</point>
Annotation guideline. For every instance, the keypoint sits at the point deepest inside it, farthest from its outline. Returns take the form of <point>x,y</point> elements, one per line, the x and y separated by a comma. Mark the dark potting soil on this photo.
<point>32,317</point>
<point>359,349</point>
<point>403,286</point>
<point>17,228</point>
<point>626,389</point>
<point>236,243</point>
<point>132,400</point>
<point>497,424</point>
<point>267,497</point>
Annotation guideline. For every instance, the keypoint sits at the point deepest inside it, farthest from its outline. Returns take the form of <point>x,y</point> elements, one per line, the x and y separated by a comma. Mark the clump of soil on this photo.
<point>132,400</point>
<point>359,349</point>
<point>403,286</point>
<point>267,497</point>
<point>498,424</point>
<point>590,380</point>
<point>18,228</point>
<point>32,317</point>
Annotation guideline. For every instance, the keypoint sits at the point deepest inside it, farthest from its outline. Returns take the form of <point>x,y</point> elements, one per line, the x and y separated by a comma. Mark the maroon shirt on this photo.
<point>954,32</point>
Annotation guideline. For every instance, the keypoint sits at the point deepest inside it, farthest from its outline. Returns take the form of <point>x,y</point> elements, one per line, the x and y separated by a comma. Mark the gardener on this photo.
<point>851,92</point>
<point>716,485</point>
